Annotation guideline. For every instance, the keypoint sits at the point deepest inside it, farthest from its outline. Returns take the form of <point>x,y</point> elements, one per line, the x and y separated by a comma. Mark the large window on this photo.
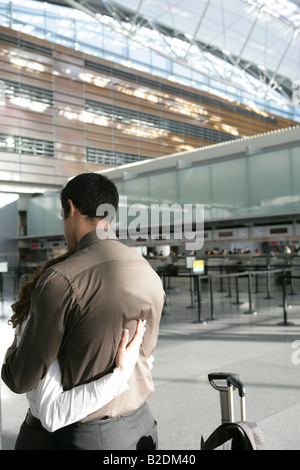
<point>110,157</point>
<point>26,145</point>
<point>74,29</point>
<point>28,96</point>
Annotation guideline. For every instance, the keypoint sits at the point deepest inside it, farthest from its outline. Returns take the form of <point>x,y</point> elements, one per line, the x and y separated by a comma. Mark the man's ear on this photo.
<point>73,208</point>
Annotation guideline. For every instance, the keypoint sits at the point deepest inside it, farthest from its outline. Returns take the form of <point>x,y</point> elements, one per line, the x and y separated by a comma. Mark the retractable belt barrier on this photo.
<point>195,279</point>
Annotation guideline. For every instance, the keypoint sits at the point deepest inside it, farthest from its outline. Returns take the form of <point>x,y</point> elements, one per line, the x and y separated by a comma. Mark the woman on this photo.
<point>49,404</point>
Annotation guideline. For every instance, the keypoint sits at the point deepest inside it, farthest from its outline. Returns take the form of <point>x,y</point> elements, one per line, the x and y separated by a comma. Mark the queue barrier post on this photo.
<point>285,321</point>
<point>250,311</point>
<point>192,291</point>
<point>229,287</point>
<point>212,318</point>
<point>256,284</point>
<point>198,284</point>
<point>237,302</point>
<point>268,284</point>
<point>292,292</point>
<point>221,279</point>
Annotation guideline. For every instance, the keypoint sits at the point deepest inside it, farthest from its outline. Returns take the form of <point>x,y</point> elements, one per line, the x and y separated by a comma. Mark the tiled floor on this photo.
<point>263,352</point>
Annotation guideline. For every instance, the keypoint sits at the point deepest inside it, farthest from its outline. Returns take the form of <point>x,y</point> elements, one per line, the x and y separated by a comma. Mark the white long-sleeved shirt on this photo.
<point>56,408</point>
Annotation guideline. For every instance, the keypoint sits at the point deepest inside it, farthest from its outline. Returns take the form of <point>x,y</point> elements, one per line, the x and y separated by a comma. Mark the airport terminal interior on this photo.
<point>193,110</point>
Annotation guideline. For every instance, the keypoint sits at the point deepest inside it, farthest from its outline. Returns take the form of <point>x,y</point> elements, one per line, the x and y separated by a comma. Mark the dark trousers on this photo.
<point>32,436</point>
<point>133,431</point>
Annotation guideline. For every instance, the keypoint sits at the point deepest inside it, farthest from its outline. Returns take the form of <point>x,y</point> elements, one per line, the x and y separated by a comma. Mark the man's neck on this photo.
<point>100,227</point>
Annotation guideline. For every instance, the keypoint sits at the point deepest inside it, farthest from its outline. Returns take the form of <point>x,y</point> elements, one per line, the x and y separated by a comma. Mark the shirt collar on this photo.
<point>96,236</point>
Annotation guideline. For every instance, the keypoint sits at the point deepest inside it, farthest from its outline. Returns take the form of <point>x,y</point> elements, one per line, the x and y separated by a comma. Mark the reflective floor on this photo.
<point>257,346</point>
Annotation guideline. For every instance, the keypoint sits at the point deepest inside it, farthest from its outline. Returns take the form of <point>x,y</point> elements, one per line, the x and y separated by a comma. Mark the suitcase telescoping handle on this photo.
<point>226,383</point>
<point>231,379</point>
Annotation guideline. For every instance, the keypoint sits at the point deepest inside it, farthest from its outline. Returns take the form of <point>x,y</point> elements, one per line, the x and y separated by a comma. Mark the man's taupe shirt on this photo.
<point>79,309</point>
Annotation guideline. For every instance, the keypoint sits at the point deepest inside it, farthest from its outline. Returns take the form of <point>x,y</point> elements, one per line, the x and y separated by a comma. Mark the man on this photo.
<point>79,309</point>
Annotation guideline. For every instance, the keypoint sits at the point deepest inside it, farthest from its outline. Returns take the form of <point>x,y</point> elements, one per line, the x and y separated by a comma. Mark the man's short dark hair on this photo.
<point>88,191</point>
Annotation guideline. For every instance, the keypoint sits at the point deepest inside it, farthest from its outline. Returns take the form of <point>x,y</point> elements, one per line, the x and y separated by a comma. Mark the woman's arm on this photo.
<point>57,408</point>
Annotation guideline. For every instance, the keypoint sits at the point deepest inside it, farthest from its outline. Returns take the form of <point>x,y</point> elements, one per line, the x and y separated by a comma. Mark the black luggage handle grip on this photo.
<point>231,379</point>
<point>235,381</point>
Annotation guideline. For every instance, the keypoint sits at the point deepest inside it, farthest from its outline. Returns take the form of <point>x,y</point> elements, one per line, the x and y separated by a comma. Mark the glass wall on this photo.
<point>270,182</point>
<point>258,185</point>
<point>44,215</point>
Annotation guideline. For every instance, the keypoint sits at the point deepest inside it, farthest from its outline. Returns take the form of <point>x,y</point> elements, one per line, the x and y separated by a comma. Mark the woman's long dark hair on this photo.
<point>21,307</point>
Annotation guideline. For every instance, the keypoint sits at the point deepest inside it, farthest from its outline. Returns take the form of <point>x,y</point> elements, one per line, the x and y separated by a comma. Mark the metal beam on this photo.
<point>136,14</point>
<point>247,39</point>
<point>192,42</point>
<point>294,35</point>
